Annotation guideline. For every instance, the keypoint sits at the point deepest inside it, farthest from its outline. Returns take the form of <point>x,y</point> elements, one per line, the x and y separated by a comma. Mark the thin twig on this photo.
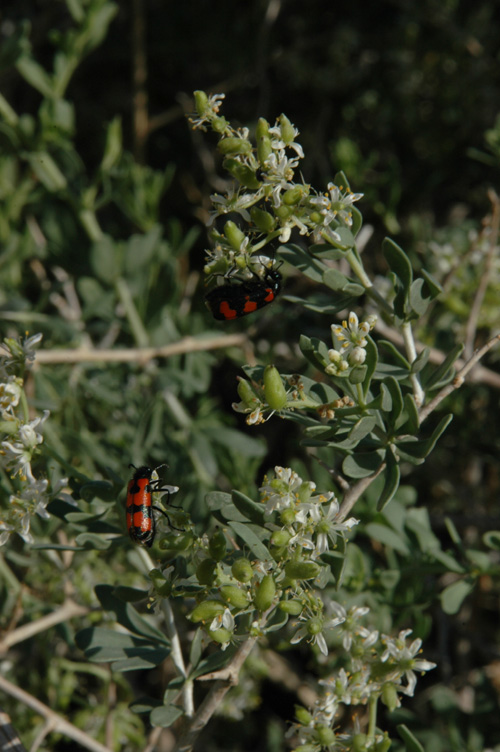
<point>355,491</point>
<point>56,722</point>
<point>457,382</point>
<point>470,330</point>
<point>140,354</point>
<point>68,610</point>
<point>480,374</point>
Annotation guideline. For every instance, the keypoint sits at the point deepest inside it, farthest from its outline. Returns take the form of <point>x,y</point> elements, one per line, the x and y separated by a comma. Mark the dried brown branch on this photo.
<point>68,610</point>
<point>140,354</point>
<point>54,722</point>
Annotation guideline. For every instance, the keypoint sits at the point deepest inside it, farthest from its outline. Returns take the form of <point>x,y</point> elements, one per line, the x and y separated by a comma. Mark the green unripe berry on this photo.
<point>219,124</point>
<point>220,635</point>
<point>283,212</point>
<point>264,147</point>
<point>217,545</point>
<point>206,571</point>
<point>302,570</point>
<point>287,129</point>
<point>302,715</point>
<point>294,608</point>
<point>280,538</point>
<point>262,219</point>
<point>384,744</point>
<point>306,748</point>
<point>233,145</point>
<point>292,196</point>
<point>324,735</point>
<point>265,593</point>
<point>274,388</point>
<point>242,570</point>
<point>390,696</point>
<point>246,393</point>
<point>181,542</point>
<point>314,625</point>
<point>359,742</point>
<point>243,174</point>
<point>234,235</point>
<point>287,516</point>
<point>206,611</point>
<point>234,596</point>
<point>200,102</point>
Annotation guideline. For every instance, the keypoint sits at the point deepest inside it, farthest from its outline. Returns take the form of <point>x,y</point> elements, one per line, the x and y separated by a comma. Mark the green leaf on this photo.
<point>411,743</point>
<point>300,259</point>
<point>453,596</point>
<point>410,420</point>
<point>113,147</point>
<point>358,375</point>
<point>392,475</point>
<point>250,509</point>
<point>421,449</point>
<point>388,537</point>
<point>314,350</point>
<point>346,239</point>
<point>126,615</point>
<point>246,533</point>
<point>124,651</point>
<point>396,407</point>
<point>399,263</point>
<point>370,363</point>
<point>363,427</point>
<point>433,287</point>
<point>492,539</point>
<point>421,360</point>
<point>419,303</point>
<point>46,170</point>
<point>165,715</point>
<point>35,75</point>
<point>362,464</point>
<point>448,561</point>
<point>398,356</point>
<point>444,372</point>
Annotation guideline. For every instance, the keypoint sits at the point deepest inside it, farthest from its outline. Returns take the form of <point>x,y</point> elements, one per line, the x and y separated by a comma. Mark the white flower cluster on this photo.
<point>21,439</point>
<point>266,180</point>
<point>349,342</point>
<point>380,667</point>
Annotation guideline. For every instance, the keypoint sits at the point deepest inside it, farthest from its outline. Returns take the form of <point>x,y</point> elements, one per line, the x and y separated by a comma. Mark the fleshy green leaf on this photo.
<point>411,742</point>
<point>392,475</point>
<point>399,263</point>
<point>247,534</point>
<point>453,596</point>
<point>165,715</point>
<point>388,537</point>
<point>362,464</point>
<point>250,509</point>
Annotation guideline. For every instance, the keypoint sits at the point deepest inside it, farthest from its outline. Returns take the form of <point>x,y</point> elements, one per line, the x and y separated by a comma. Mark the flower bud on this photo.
<point>262,219</point>
<point>314,625</point>
<point>234,235</point>
<point>302,715</point>
<point>287,516</point>
<point>234,596</point>
<point>246,393</point>
<point>220,635</point>
<point>283,212</point>
<point>325,735</point>
<point>280,538</point>
<point>294,608</point>
<point>200,102</point>
<point>206,571</point>
<point>357,356</point>
<point>217,545</point>
<point>233,145</point>
<point>274,388</point>
<point>206,611</point>
<point>287,129</point>
<point>302,570</point>
<point>243,174</point>
<point>219,124</point>
<point>390,696</point>
<point>292,196</point>
<point>359,742</point>
<point>266,591</point>
<point>242,570</point>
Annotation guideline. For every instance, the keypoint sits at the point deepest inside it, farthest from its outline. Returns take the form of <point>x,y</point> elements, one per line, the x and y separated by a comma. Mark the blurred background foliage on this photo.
<point>104,193</point>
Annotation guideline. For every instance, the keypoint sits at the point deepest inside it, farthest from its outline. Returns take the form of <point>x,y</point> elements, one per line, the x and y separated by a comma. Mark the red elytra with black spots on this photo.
<point>239,298</point>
